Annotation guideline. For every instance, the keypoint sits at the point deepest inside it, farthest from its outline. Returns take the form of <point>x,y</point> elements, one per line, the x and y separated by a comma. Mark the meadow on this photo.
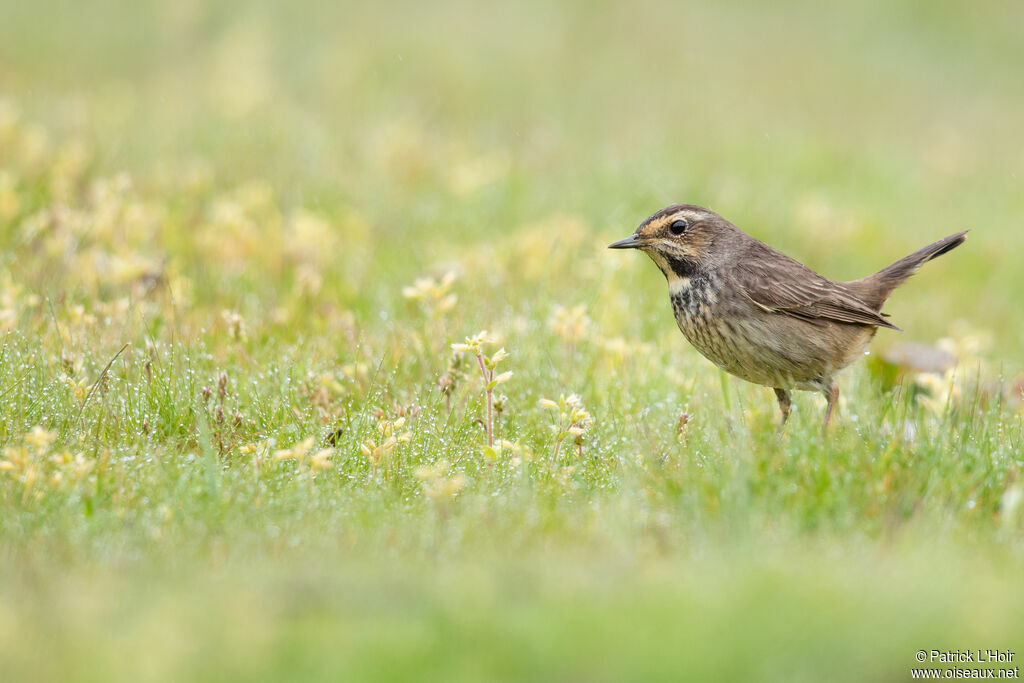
<point>314,364</point>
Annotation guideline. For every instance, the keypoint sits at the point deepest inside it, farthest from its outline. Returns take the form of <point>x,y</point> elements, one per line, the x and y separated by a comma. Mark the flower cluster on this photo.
<point>433,296</point>
<point>488,365</point>
<point>308,461</point>
<point>573,420</point>
<point>944,389</point>
<point>392,433</point>
<point>515,451</point>
<point>439,484</point>
<point>35,465</point>
<point>571,324</point>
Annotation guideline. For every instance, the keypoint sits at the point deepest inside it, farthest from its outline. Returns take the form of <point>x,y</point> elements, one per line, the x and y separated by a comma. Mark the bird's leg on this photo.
<point>832,396</point>
<point>784,404</point>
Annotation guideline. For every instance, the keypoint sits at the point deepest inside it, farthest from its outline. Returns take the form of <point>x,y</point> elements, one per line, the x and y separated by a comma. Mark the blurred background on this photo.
<point>844,133</point>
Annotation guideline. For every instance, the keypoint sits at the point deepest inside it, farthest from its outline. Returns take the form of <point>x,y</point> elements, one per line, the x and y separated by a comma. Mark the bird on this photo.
<point>760,315</point>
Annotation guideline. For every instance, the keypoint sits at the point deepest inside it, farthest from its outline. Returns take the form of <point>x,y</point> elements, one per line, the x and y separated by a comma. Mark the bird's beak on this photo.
<point>629,243</point>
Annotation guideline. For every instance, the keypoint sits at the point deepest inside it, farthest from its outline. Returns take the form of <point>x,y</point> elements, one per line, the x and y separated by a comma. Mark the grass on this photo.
<point>239,242</point>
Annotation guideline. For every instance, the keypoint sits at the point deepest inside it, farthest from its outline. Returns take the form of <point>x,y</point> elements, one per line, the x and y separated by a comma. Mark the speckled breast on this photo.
<point>694,304</point>
<point>727,338</point>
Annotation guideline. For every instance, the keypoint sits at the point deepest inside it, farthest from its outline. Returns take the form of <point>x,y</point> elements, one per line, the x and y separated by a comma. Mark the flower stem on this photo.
<point>489,393</point>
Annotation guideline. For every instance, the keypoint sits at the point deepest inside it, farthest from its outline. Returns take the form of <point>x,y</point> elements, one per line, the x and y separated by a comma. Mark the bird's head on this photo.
<point>681,239</point>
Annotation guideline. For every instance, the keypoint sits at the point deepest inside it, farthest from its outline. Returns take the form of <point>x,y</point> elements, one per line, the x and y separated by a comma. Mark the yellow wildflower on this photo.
<point>296,452</point>
<point>434,296</point>
<point>40,438</point>
<point>571,324</point>
<point>321,460</point>
<point>437,485</point>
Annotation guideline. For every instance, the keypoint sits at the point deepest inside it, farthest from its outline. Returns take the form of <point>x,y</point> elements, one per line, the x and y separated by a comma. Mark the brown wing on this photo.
<point>777,284</point>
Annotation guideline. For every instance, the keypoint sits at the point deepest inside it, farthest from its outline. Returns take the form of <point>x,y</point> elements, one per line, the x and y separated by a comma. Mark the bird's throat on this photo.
<point>677,269</point>
<point>681,267</point>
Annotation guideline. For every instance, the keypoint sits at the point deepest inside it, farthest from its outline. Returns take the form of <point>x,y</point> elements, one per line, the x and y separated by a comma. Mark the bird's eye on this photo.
<point>678,227</point>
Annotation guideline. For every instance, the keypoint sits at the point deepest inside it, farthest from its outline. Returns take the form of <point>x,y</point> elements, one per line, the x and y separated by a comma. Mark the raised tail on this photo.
<point>875,289</point>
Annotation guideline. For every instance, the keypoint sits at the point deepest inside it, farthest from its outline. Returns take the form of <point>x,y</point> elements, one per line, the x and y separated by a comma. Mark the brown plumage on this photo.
<point>760,315</point>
